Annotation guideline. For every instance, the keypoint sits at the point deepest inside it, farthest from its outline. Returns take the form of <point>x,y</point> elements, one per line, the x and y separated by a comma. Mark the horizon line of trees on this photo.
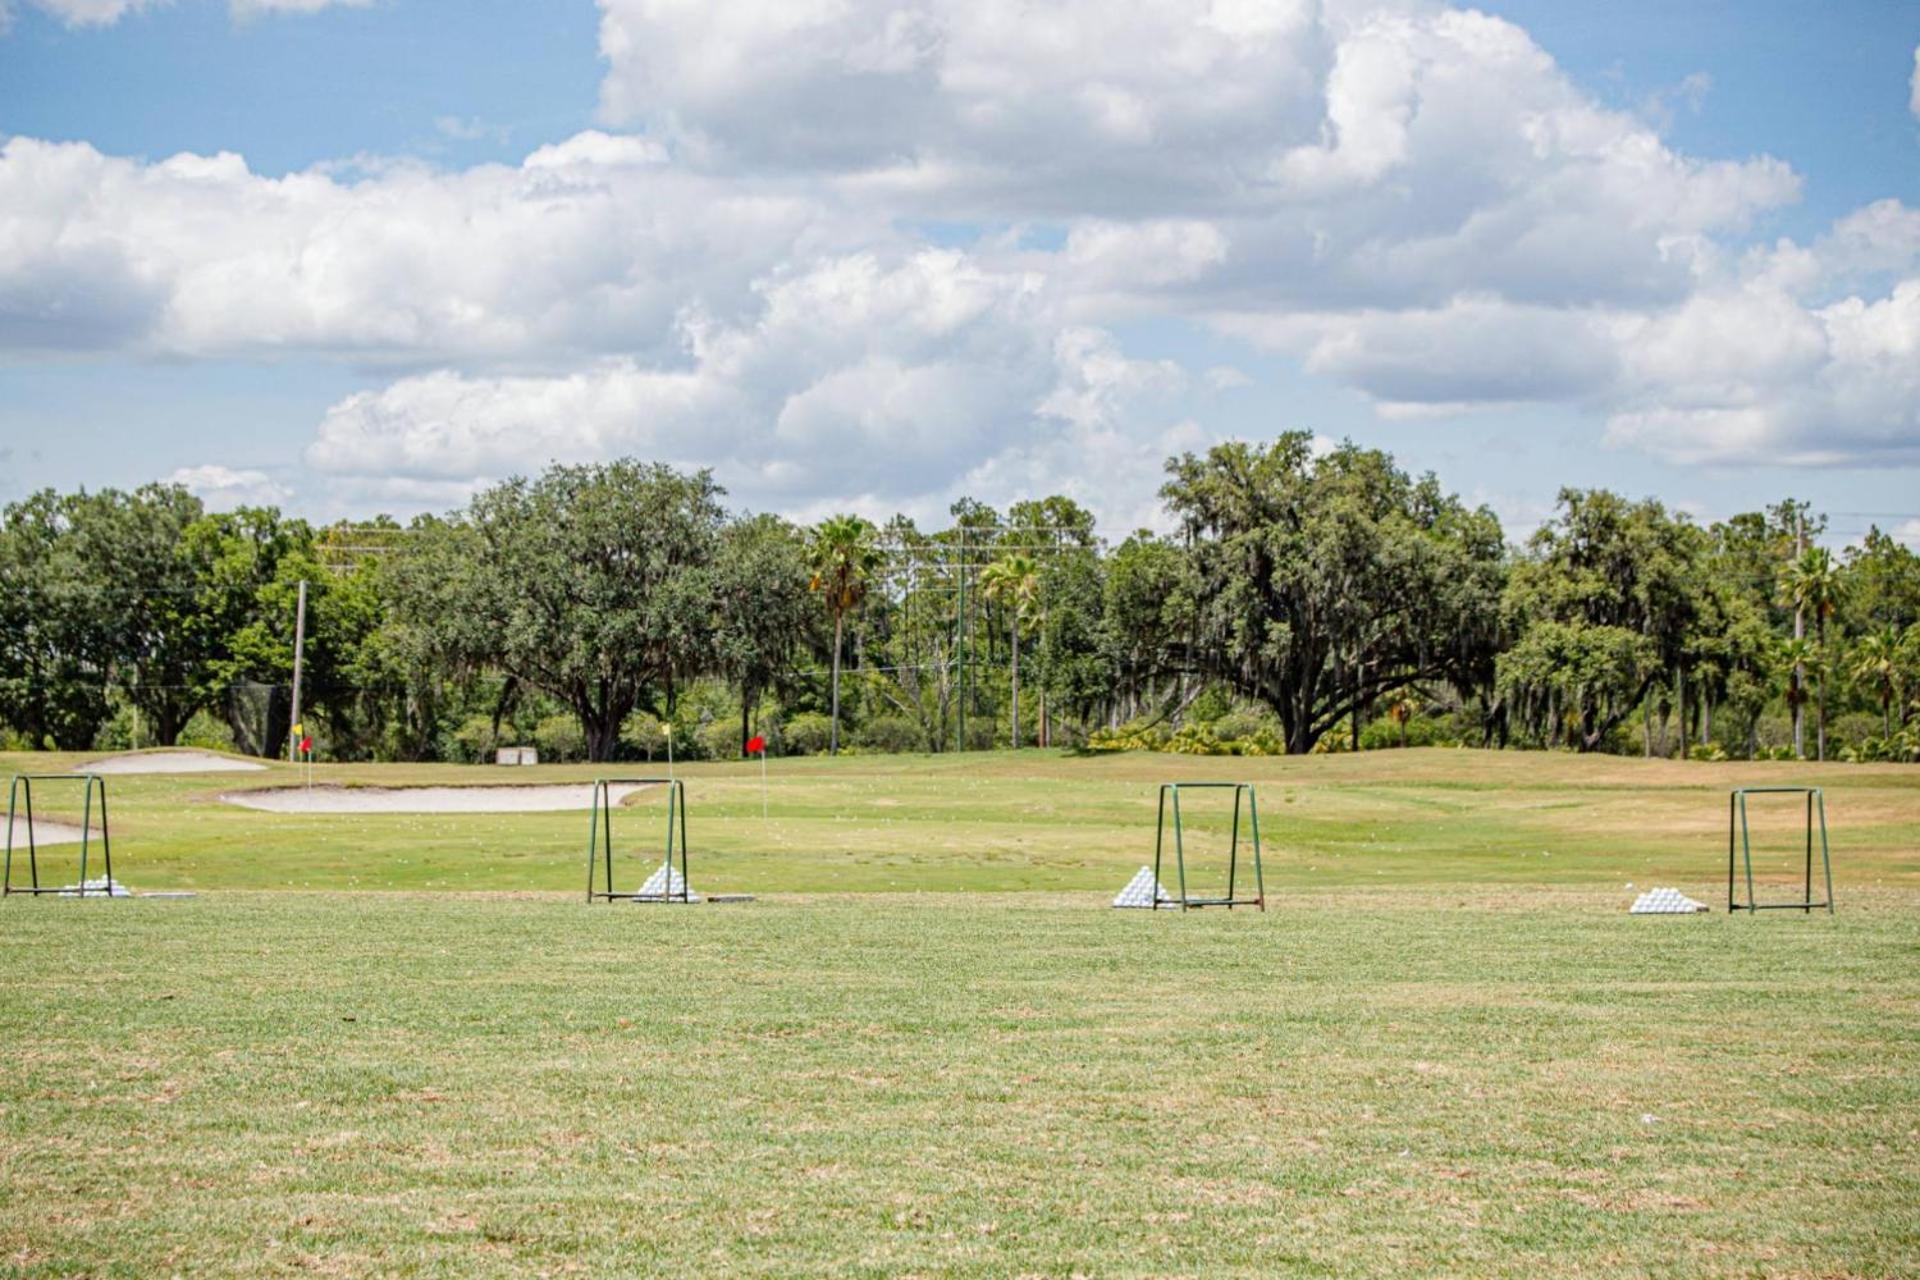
<point>1304,602</point>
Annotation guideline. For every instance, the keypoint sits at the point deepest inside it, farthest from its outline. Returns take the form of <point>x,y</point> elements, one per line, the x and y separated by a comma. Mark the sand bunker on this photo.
<point>170,762</point>
<point>44,832</point>
<point>539,799</point>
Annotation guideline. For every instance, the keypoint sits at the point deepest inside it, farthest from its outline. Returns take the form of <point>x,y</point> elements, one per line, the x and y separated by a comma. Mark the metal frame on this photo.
<point>601,823</point>
<point>1186,901</point>
<point>23,785</point>
<point>1737,818</point>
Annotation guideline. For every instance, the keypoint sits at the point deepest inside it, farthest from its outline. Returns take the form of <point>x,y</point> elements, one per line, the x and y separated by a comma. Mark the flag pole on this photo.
<point>757,746</point>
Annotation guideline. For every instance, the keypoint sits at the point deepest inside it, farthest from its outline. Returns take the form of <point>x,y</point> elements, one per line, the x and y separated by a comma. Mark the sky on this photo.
<point>366,257</point>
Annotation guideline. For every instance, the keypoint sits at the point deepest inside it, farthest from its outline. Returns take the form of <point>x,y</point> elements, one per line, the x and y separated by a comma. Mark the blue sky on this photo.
<point>886,258</point>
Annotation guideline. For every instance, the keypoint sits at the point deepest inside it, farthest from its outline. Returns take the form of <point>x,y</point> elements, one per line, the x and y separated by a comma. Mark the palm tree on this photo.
<point>1015,580</point>
<point>1812,581</point>
<point>1876,665</point>
<point>843,559</point>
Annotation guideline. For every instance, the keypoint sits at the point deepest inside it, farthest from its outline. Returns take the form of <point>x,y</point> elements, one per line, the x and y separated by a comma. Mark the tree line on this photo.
<point>1305,601</point>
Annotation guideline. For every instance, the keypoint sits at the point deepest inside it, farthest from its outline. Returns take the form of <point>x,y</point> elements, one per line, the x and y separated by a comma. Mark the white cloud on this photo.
<point>1361,147</point>
<point>223,488</point>
<point>470,129</point>
<point>92,13</point>
<point>590,247</point>
<point>903,385</point>
<point>253,8</point>
<point>1066,105</point>
<point>893,379</point>
<point>1751,375</point>
<point>105,13</point>
<point>1690,94</point>
<point>1224,377</point>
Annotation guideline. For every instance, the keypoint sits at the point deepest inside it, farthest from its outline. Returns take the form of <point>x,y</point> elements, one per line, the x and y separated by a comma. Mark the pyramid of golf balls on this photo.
<point>1142,891</point>
<point>667,882</point>
<point>1665,902</point>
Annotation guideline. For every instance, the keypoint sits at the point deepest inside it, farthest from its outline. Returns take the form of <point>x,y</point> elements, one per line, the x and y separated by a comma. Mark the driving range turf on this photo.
<point>1445,1050</point>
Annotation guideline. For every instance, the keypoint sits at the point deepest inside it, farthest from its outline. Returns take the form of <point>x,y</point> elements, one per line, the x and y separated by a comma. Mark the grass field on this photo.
<point>1036,820</point>
<point>1446,1050</point>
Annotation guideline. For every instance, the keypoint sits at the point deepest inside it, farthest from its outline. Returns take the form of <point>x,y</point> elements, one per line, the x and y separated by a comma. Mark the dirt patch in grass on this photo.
<point>553,798</point>
<point>170,762</point>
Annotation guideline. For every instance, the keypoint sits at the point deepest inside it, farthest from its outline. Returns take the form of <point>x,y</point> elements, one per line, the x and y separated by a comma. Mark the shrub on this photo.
<point>1069,735</point>
<point>1851,728</point>
<point>895,734</point>
<point>560,739</point>
<point>1903,747</point>
<point>644,735</point>
<point>1214,703</point>
<point>1265,741</point>
<point>1128,738</point>
<point>808,734</point>
<point>1421,731</point>
<point>1190,740</point>
<point>720,740</point>
<point>1245,724</point>
<point>116,731</point>
<point>208,732</point>
<point>474,740</point>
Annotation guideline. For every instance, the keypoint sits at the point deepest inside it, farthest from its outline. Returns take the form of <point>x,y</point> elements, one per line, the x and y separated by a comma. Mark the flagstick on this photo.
<point>763,785</point>
<point>669,751</point>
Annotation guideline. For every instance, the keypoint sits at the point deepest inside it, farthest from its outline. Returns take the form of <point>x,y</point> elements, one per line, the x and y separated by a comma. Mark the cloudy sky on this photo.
<point>352,257</point>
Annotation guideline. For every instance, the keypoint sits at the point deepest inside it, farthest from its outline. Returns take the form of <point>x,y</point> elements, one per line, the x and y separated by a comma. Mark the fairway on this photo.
<point>1445,1050</point>
<point>1023,821</point>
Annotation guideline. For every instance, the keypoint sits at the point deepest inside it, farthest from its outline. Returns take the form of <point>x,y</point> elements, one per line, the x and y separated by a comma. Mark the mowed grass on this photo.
<point>1367,1083</point>
<point>1035,820</point>
<point>1445,1050</point>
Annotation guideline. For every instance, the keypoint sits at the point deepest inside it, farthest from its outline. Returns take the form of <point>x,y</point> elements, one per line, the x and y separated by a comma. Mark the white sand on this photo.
<point>170,762</point>
<point>534,799</point>
<point>44,833</point>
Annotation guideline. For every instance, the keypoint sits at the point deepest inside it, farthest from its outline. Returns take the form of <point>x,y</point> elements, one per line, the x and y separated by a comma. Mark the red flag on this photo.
<point>756,745</point>
<point>306,746</point>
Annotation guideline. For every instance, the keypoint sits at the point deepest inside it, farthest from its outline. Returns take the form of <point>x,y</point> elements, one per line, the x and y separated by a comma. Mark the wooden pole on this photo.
<point>299,653</point>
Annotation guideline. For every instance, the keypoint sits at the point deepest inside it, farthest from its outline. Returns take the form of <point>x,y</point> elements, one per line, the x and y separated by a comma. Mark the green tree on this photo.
<point>1883,585</point>
<point>1325,583</point>
<point>1600,610</point>
<point>764,613</point>
<point>843,560</point>
<point>241,552</point>
<point>592,584</point>
<point>1875,665</point>
<point>1014,581</point>
<point>1147,616</point>
<point>1077,677</point>
<point>57,638</point>
<point>146,576</point>
<point>1813,582</point>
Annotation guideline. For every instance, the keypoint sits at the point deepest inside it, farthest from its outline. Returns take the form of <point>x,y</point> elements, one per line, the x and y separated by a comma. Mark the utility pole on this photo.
<point>299,652</point>
<point>960,683</point>
<point>1799,633</point>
